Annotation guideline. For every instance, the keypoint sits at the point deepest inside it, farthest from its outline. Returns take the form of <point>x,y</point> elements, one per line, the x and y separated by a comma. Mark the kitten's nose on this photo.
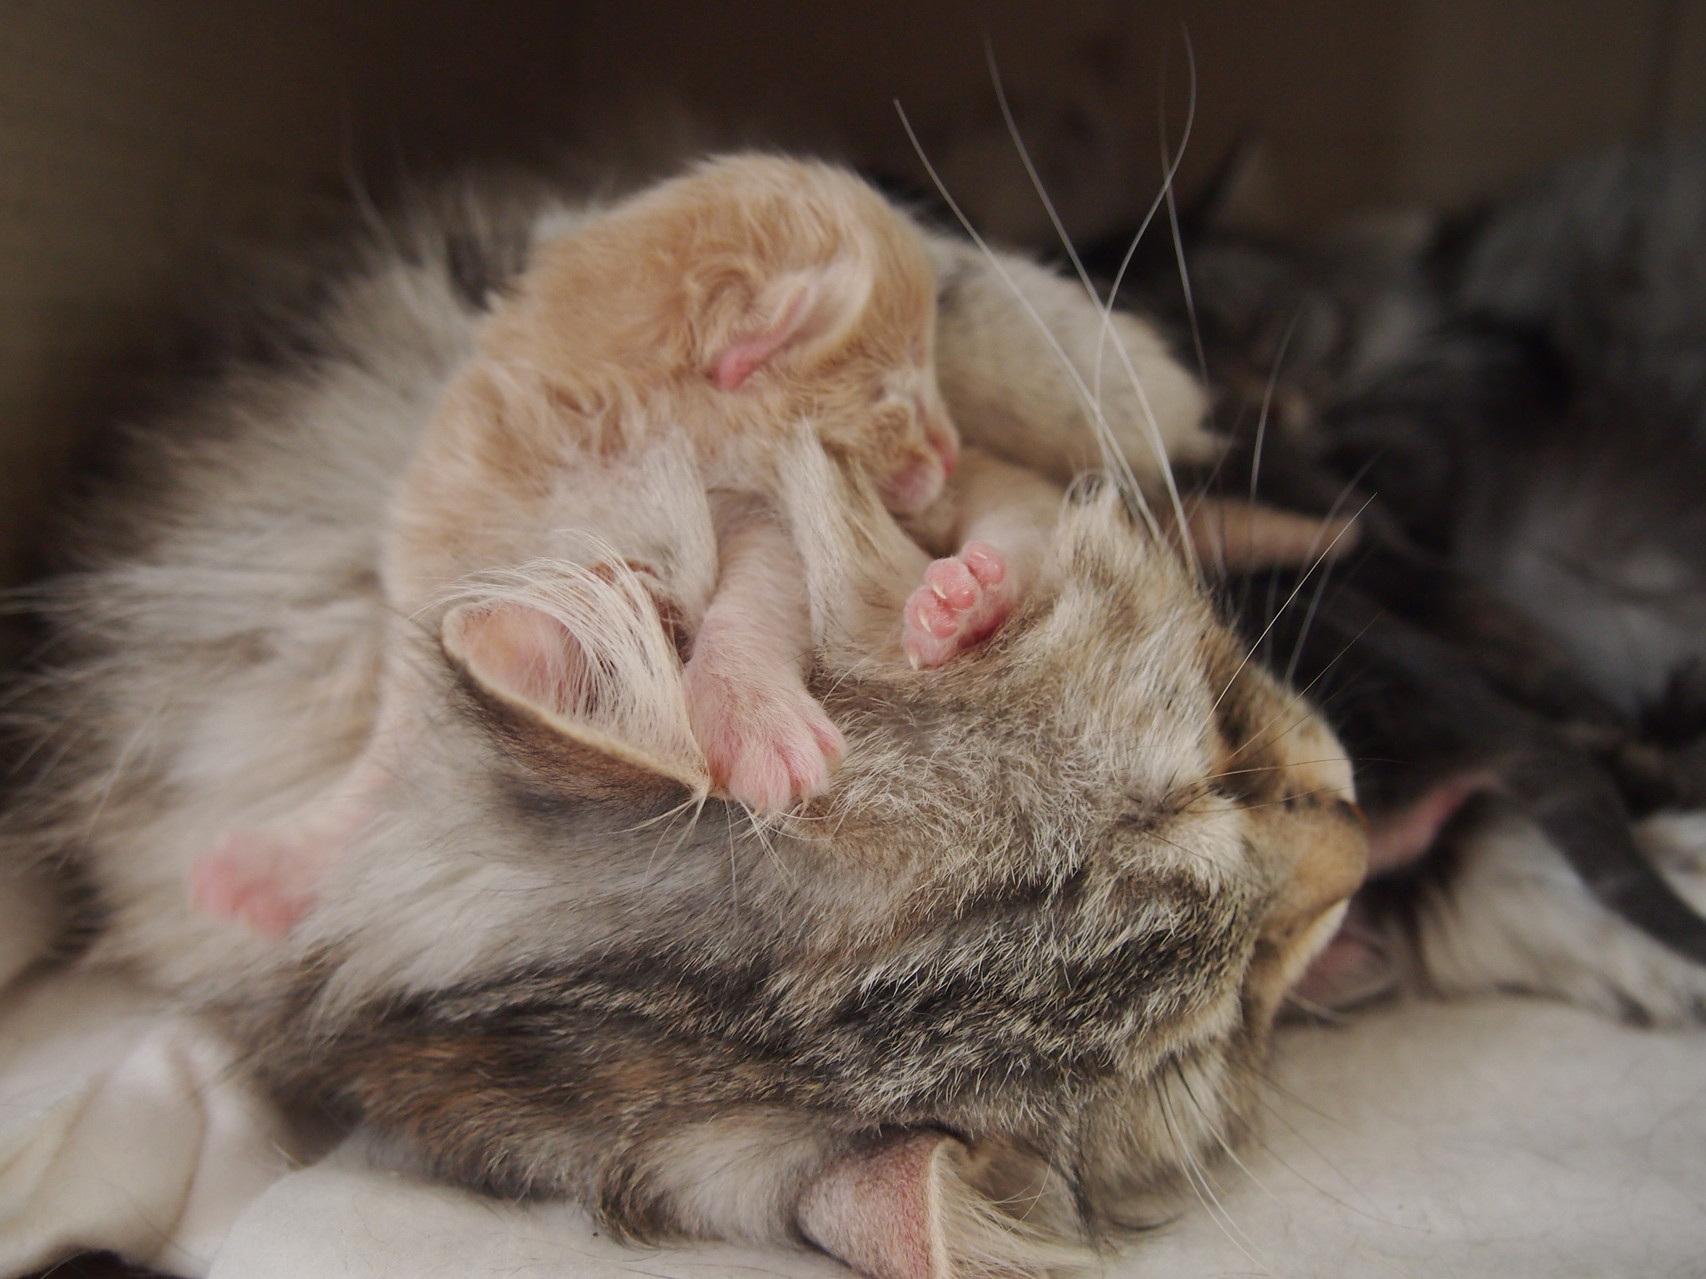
<point>939,432</point>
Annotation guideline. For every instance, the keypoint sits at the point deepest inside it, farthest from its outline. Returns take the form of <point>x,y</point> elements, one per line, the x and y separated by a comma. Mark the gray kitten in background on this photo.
<point>1515,655</point>
<point>1014,969</point>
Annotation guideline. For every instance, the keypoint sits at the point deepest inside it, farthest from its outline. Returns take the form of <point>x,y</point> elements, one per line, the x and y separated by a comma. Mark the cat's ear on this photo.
<point>1240,536</point>
<point>905,1209</point>
<point>793,311</point>
<point>582,687</point>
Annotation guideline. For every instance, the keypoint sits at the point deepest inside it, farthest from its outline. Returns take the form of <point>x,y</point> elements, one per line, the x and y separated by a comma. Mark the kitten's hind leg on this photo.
<point>268,878</point>
<point>1000,517</point>
<point>963,600</point>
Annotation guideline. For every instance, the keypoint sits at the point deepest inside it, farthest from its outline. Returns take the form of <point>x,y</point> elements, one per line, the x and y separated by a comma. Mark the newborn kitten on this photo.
<point>722,307</point>
<point>1016,967</point>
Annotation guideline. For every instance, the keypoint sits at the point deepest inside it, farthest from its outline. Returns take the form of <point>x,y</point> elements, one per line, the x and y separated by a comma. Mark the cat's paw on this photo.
<point>963,599</point>
<point>254,879</point>
<point>768,745</point>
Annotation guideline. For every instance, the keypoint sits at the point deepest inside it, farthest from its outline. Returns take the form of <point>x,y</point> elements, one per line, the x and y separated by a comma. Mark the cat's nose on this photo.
<point>1328,848</point>
<point>1331,865</point>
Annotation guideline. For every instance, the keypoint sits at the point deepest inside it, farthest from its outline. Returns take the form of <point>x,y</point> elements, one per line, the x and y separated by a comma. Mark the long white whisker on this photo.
<point>1170,170</point>
<point>1268,400</point>
<point>1168,193</point>
<point>1321,587</point>
<point>1204,1188</point>
<point>1080,389</point>
<point>1112,456</point>
<point>1319,560</point>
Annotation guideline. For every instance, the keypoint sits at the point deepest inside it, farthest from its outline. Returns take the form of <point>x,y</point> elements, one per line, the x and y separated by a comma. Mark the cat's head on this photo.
<point>1017,966</point>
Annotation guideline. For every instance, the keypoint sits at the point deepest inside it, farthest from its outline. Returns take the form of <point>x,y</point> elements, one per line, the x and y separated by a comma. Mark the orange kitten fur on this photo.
<point>721,311</point>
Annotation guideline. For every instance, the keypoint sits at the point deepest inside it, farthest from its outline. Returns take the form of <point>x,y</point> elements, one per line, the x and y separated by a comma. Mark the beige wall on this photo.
<point>135,133</point>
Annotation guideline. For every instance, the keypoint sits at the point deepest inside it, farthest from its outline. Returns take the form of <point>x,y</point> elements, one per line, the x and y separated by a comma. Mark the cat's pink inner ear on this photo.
<point>880,1211</point>
<point>520,652</point>
<point>790,312</point>
<point>1400,838</point>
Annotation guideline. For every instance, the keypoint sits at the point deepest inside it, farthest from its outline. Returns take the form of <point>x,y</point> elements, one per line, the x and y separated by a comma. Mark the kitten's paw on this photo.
<point>255,880</point>
<point>962,601</point>
<point>768,747</point>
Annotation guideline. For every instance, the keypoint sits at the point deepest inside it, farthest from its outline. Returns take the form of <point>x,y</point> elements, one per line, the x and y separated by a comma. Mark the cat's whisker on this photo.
<point>1170,166</point>
<point>1112,458</point>
<point>1258,737</point>
<point>1112,454</point>
<point>1274,768</point>
<point>1106,306</point>
<point>1349,487</point>
<point>1317,1011</point>
<point>1314,564</point>
<point>1280,1117</point>
<point>1201,1184</point>
<point>1268,395</point>
<point>1213,1130</point>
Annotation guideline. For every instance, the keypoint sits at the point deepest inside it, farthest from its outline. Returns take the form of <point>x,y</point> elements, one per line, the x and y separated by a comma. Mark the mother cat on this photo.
<point>1016,966</point>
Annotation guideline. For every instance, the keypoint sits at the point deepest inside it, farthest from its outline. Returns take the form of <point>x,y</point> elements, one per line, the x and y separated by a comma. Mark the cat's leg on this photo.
<point>765,738</point>
<point>1001,520</point>
<point>1516,916</point>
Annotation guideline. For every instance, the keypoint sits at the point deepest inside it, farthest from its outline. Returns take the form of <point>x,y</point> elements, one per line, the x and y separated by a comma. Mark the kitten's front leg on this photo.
<point>766,739</point>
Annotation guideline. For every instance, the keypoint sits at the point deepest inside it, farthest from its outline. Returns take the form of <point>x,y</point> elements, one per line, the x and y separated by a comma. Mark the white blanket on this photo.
<point>1504,1138</point>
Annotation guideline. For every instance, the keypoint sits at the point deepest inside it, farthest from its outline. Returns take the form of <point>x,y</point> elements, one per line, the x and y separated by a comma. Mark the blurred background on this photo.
<point>138,135</point>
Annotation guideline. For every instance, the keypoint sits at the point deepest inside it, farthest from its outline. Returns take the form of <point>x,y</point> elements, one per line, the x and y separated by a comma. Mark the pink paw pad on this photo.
<point>963,600</point>
<point>251,879</point>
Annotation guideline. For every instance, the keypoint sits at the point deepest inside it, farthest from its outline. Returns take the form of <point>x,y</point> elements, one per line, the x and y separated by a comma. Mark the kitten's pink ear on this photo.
<point>588,698</point>
<point>793,311</point>
<point>901,1209</point>
<point>1243,537</point>
<point>522,654</point>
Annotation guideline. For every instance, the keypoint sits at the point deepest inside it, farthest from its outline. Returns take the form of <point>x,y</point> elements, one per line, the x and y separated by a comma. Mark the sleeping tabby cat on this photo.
<point>1017,966</point>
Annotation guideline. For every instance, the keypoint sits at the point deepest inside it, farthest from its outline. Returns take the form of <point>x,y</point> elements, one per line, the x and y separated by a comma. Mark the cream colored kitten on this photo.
<point>721,309</point>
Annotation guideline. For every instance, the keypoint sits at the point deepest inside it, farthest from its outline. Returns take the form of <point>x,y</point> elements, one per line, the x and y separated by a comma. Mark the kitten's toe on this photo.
<point>963,599</point>
<point>774,766</point>
<point>246,878</point>
<point>769,748</point>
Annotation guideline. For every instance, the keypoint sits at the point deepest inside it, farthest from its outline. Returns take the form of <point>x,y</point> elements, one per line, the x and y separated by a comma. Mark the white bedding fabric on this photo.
<point>1498,1137</point>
